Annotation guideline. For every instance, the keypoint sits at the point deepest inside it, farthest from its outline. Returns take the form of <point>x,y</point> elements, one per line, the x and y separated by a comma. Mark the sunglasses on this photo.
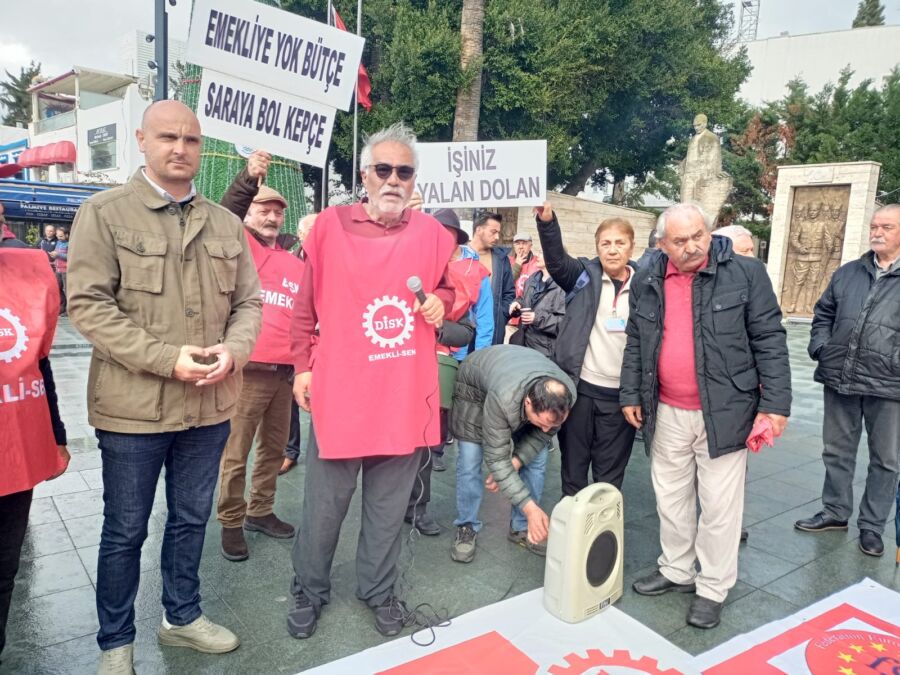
<point>384,171</point>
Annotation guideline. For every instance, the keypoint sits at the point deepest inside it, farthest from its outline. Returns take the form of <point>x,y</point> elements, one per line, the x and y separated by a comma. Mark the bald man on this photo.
<point>162,282</point>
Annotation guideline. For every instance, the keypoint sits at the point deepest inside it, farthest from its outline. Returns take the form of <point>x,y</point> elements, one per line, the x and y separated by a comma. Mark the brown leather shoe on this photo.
<point>287,465</point>
<point>234,547</point>
<point>270,525</point>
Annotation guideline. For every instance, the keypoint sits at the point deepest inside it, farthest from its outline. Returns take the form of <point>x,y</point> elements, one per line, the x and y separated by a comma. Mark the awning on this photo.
<point>7,170</point>
<point>62,152</point>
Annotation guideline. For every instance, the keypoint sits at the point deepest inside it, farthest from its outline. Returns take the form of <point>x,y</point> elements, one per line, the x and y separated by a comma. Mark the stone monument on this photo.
<point>819,222</point>
<point>702,178</point>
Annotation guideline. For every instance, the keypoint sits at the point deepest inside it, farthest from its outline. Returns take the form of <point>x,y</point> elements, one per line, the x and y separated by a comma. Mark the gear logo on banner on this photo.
<point>620,659</point>
<point>13,339</point>
<point>388,322</point>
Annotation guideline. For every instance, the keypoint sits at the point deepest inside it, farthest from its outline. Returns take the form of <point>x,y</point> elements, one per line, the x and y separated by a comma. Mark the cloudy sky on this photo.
<point>62,33</point>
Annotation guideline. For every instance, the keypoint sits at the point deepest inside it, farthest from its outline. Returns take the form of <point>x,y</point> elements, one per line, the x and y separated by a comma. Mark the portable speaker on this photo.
<point>583,573</point>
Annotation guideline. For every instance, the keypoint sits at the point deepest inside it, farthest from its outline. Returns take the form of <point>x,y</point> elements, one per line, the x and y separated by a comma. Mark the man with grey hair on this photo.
<point>696,378</point>
<point>371,384</point>
<point>854,338</point>
<point>741,239</point>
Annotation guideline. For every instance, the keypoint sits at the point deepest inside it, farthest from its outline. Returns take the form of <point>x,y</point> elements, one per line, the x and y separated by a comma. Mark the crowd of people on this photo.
<point>389,326</point>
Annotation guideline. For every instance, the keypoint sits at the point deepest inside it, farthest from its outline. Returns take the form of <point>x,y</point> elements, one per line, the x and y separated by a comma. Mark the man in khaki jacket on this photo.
<point>163,284</point>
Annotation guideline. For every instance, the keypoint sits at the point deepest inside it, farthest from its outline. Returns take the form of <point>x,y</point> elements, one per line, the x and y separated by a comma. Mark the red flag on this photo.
<point>363,85</point>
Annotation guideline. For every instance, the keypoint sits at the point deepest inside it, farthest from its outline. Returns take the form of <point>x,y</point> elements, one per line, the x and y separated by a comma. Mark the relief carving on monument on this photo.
<point>815,243</point>
<point>702,179</point>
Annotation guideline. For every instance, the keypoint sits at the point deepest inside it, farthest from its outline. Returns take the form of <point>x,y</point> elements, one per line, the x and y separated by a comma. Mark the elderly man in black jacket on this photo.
<point>705,358</point>
<point>856,340</point>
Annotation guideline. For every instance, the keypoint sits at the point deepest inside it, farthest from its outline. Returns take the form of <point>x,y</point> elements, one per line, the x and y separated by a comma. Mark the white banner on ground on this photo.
<point>519,637</point>
<point>276,49</point>
<point>489,173</point>
<point>854,631</point>
<point>245,113</point>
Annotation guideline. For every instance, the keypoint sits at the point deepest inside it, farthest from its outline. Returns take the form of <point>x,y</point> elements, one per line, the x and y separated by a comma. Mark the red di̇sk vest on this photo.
<point>29,304</point>
<point>280,273</point>
<point>374,384</point>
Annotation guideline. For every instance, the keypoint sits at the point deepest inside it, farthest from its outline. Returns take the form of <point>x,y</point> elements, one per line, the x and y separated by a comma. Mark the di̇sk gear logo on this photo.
<point>388,322</point>
<point>621,661</point>
<point>13,339</point>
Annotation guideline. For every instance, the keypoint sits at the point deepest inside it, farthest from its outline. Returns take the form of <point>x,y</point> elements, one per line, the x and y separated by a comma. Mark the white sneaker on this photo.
<point>118,661</point>
<point>202,635</point>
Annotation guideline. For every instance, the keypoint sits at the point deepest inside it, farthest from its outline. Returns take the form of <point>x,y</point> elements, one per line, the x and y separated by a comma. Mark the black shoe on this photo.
<point>425,524</point>
<point>820,522</point>
<point>657,584</point>
<point>302,619</point>
<point>390,616</point>
<point>437,462</point>
<point>704,613</point>
<point>870,543</point>
<point>744,536</point>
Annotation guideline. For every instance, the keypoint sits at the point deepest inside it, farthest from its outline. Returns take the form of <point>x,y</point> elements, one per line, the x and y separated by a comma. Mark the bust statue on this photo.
<point>702,178</point>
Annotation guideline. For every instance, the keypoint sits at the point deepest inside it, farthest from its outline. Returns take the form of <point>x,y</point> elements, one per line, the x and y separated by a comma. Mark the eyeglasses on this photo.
<point>384,171</point>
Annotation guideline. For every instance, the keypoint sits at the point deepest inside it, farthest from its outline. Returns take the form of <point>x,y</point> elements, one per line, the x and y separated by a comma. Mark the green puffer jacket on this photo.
<point>488,408</point>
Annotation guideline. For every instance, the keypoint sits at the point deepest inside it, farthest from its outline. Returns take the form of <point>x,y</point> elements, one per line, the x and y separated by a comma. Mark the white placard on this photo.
<point>275,48</point>
<point>245,113</point>
<point>482,173</point>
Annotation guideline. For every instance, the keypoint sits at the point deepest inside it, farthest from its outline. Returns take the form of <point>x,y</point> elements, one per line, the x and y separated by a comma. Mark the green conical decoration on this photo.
<point>220,163</point>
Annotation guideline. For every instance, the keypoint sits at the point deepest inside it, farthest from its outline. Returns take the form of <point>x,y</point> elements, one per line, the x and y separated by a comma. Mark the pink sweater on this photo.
<point>677,370</point>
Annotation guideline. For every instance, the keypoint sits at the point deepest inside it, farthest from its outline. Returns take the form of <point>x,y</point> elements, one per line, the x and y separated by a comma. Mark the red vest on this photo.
<point>374,375</point>
<point>465,276</point>
<point>29,304</point>
<point>280,273</point>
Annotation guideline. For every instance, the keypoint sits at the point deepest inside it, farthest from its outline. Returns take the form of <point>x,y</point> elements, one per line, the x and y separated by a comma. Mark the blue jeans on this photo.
<point>470,485</point>
<point>131,467</point>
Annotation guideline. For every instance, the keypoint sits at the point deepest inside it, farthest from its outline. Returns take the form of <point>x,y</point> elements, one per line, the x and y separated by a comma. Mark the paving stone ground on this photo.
<point>54,620</point>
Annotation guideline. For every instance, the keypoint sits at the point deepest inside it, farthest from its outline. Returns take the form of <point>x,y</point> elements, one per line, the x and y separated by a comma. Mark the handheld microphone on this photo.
<point>414,284</point>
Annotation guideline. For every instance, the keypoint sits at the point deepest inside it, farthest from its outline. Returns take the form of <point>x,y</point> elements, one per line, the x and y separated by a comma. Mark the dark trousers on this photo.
<point>841,431</point>
<point>292,449</point>
<point>61,282</point>
<point>330,484</point>
<point>596,438</point>
<point>131,467</point>
<point>421,492</point>
<point>14,510</point>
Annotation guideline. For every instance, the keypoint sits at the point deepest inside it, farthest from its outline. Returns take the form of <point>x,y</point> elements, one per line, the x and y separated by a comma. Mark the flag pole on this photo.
<point>324,204</point>
<point>356,106</point>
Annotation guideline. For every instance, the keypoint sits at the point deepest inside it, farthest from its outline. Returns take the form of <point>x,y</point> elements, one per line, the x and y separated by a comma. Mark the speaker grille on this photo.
<point>589,523</point>
<point>601,559</point>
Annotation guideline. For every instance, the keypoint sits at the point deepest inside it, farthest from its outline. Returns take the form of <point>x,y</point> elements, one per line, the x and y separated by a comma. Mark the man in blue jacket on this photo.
<point>485,237</point>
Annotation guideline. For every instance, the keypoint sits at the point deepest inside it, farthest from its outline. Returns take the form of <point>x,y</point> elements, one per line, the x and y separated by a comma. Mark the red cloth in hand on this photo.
<point>761,433</point>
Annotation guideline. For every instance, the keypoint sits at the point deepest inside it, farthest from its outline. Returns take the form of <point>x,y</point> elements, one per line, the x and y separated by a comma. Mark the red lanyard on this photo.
<point>621,290</point>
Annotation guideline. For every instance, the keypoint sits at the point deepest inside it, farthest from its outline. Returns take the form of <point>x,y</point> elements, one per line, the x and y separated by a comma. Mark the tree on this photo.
<point>605,83</point>
<point>15,97</point>
<point>843,124</point>
<point>468,100</point>
<point>869,13</point>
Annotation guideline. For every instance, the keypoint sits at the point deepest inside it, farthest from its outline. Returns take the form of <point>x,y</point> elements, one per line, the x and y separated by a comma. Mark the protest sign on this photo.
<point>490,173</point>
<point>245,113</point>
<point>275,49</point>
